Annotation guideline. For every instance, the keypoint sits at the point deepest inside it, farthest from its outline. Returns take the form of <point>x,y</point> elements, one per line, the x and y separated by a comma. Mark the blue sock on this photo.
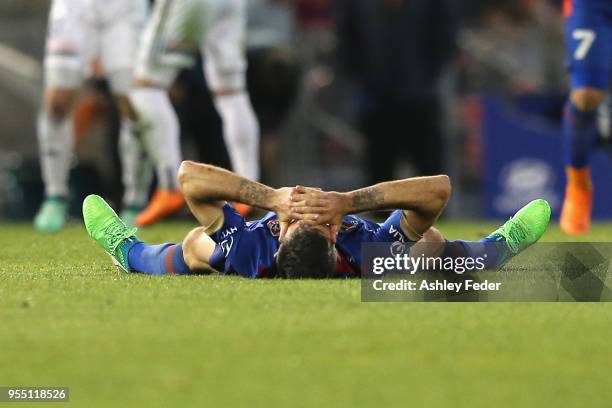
<point>487,249</point>
<point>158,259</point>
<point>579,135</point>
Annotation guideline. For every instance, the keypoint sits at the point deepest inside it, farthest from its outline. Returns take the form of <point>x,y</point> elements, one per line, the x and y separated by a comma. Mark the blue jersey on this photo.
<point>249,247</point>
<point>588,35</point>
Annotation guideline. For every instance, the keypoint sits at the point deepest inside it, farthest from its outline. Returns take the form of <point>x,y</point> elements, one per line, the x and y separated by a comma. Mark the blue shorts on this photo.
<point>588,35</point>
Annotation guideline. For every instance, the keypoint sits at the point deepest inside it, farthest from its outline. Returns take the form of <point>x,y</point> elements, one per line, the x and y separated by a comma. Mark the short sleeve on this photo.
<point>232,222</point>
<point>391,229</point>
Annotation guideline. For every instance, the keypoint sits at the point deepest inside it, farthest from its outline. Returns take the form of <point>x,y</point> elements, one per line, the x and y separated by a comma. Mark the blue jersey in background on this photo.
<point>588,34</point>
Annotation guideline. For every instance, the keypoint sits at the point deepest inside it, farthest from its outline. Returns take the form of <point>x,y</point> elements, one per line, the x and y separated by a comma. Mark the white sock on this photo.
<point>137,168</point>
<point>161,139</point>
<point>241,133</point>
<point>56,143</point>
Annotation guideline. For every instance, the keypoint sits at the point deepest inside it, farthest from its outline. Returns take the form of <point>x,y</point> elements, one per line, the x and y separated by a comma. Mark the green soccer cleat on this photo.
<point>52,215</point>
<point>107,229</point>
<point>523,230</point>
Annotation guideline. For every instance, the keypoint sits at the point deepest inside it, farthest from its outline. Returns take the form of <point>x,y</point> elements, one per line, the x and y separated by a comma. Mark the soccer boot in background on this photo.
<point>51,216</point>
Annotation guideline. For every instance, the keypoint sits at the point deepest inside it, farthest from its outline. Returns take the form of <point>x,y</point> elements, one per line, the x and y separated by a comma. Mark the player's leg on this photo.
<point>589,50</point>
<point>157,66</point>
<point>194,255</point>
<point>517,234</point>
<point>65,58</point>
<point>198,252</point>
<point>225,70</point>
<point>137,170</point>
<point>161,139</point>
<point>132,255</point>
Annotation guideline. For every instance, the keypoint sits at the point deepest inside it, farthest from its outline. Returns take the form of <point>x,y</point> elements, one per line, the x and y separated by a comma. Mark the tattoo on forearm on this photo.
<point>253,193</point>
<point>370,198</point>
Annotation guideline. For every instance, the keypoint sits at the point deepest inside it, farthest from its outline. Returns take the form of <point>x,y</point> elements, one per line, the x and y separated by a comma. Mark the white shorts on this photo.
<point>81,30</point>
<point>177,29</point>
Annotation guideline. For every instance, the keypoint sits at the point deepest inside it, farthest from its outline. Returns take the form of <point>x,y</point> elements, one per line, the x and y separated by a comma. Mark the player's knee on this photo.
<point>190,253</point>
<point>59,103</point>
<point>432,236</point>
<point>587,99</point>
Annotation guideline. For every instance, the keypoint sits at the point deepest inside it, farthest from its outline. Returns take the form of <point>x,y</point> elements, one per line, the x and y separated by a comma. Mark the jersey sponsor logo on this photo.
<point>226,245</point>
<point>274,228</point>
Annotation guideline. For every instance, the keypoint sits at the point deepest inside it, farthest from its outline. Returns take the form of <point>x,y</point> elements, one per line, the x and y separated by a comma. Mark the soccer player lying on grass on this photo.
<point>307,233</point>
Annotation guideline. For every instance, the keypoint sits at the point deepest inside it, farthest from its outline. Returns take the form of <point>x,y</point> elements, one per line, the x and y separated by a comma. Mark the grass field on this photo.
<point>68,318</point>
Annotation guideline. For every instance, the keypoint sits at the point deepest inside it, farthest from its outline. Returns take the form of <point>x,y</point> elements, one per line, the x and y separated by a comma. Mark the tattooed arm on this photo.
<point>207,188</point>
<point>421,198</point>
<point>420,194</point>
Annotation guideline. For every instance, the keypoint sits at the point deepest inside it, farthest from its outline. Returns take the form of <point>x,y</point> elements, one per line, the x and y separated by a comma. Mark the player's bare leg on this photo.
<point>198,249</point>
<point>577,205</point>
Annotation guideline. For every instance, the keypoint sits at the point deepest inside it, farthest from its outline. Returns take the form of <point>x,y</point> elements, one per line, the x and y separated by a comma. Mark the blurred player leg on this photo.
<point>156,69</point>
<point>240,131</point>
<point>588,36</point>
<point>66,63</point>
<point>161,139</point>
<point>55,138</point>
<point>225,70</point>
<point>137,171</point>
<point>125,22</point>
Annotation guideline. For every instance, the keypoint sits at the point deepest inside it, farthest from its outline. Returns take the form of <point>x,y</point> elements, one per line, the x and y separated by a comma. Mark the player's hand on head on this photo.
<point>313,206</point>
<point>281,205</point>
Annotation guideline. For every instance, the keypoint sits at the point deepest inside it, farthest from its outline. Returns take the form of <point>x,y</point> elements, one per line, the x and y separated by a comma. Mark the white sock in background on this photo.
<point>56,144</point>
<point>240,132</point>
<point>136,166</point>
<point>161,139</point>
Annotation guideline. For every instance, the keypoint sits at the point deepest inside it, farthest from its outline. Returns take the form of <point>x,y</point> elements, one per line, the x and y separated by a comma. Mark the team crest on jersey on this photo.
<point>349,226</point>
<point>226,245</point>
<point>274,228</point>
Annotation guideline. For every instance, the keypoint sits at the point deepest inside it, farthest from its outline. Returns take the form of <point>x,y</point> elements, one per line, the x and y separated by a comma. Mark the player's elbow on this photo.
<point>443,188</point>
<point>436,197</point>
<point>185,177</point>
<point>439,194</point>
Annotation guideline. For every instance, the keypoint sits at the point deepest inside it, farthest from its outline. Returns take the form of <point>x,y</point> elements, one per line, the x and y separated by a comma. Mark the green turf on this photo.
<point>67,317</point>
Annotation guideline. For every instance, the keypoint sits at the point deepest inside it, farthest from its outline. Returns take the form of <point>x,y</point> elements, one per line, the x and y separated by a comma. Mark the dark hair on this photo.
<point>306,254</point>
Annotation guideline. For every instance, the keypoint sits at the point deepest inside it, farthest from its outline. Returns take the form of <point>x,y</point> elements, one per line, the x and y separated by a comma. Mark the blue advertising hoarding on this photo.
<point>524,160</point>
